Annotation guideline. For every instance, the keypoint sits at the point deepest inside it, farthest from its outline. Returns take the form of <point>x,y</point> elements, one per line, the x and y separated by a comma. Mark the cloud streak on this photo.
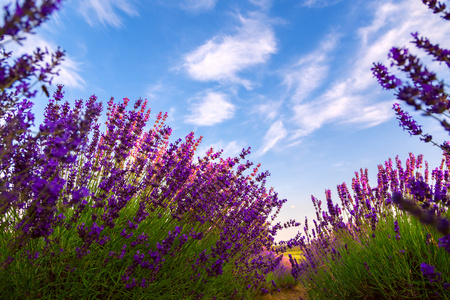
<point>310,71</point>
<point>275,133</point>
<point>223,57</point>
<point>198,5</point>
<point>319,3</point>
<point>268,110</point>
<point>338,105</point>
<point>104,11</point>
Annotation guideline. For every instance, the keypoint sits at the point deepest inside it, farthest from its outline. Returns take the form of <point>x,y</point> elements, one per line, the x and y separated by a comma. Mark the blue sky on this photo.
<point>290,79</point>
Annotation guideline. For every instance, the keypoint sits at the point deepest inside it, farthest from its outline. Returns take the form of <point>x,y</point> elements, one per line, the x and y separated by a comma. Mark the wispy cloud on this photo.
<point>319,3</point>
<point>382,14</point>
<point>69,74</point>
<point>69,69</point>
<point>275,133</point>
<point>210,109</point>
<point>198,5</point>
<point>268,110</point>
<point>103,11</point>
<point>223,57</point>
<point>371,115</point>
<point>310,72</point>
<point>392,26</point>
<point>338,105</point>
<point>353,98</point>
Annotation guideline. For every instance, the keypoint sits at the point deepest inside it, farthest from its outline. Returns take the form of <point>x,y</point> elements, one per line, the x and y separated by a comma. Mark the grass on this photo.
<point>63,276</point>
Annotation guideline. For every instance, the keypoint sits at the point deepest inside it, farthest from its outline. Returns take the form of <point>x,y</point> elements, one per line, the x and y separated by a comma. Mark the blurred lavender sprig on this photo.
<point>15,78</point>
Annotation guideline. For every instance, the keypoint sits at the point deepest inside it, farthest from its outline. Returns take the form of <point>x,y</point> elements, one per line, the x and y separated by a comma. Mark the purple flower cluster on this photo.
<point>397,230</point>
<point>32,164</point>
<point>409,124</point>
<point>26,17</point>
<point>433,276</point>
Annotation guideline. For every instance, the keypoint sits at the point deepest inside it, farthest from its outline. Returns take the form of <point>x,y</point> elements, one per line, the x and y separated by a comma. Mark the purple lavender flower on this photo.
<point>437,7</point>
<point>430,273</point>
<point>444,242</point>
<point>366,266</point>
<point>397,230</point>
<point>386,80</point>
<point>406,121</point>
<point>442,55</point>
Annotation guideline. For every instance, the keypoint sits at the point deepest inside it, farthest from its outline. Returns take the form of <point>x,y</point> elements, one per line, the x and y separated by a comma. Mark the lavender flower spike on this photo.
<point>406,121</point>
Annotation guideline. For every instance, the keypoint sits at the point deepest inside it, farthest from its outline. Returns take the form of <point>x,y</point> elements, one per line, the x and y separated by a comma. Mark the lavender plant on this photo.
<point>125,213</point>
<point>368,247</point>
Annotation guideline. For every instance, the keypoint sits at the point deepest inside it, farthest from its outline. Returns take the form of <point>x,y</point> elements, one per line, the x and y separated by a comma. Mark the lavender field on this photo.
<point>117,212</point>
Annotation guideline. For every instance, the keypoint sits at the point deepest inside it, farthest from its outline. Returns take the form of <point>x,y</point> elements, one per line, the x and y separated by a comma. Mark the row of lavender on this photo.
<point>391,241</point>
<point>126,201</point>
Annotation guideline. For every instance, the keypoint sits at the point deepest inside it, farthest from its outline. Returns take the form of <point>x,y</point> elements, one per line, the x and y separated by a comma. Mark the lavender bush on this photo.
<point>368,247</point>
<point>124,213</point>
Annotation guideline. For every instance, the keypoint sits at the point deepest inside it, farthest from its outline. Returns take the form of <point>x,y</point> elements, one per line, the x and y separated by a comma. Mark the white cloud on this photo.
<point>371,115</point>
<point>312,115</point>
<point>319,3</point>
<point>392,27</point>
<point>68,74</point>
<point>384,12</point>
<point>104,11</point>
<point>221,58</point>
<point>268,110</point>
<point>275,133</point>
<point>310,72</point>
<point>352,98</point>
<point>338,105</point>
<point>210,109</point>
<point>198,5</point>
